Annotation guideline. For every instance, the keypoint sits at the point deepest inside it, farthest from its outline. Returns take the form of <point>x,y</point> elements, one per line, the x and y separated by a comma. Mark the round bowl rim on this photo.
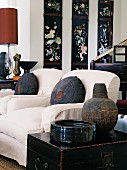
<point>86,123</point>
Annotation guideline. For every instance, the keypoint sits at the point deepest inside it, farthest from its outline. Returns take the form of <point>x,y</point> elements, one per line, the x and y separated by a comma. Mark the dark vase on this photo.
<point>2,65</point>
<point>5,65</point>
<point>101,110</point>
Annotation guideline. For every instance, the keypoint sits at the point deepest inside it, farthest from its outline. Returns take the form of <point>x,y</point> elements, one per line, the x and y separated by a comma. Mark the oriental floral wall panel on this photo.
<point>80,14</point>
<point>53,34</point>
<point>105,26</point>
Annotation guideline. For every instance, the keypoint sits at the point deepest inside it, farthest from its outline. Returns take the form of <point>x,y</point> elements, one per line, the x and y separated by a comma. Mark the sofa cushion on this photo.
<point>27,85</point>
<point>68,90</point>
<point>47,78</point>
<point>18,124</point>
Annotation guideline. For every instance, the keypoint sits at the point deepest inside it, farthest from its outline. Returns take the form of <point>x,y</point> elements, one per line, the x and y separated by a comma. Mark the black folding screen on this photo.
<point>53,34</point>
<point>80,14</point>
<point>105,25</point>
<point>80,22</point>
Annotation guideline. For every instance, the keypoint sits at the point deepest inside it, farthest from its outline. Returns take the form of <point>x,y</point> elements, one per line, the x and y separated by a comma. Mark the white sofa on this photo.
<point>17,124</point>
<point>47,79</point>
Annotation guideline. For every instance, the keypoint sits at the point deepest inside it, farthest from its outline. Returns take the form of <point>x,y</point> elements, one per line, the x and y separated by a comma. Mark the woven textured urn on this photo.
<point>101,110</point>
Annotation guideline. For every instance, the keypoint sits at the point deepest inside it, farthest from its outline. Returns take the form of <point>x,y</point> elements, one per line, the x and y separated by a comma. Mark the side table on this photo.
<point>7,84</point>
<point>107,153</point>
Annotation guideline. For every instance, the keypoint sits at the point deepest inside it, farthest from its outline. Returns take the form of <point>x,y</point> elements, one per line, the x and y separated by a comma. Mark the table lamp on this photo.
<point>8,34</point>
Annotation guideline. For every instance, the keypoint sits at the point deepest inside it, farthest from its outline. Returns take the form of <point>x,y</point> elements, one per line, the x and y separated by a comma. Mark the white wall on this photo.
<point>23,47</point>
<point>117,22</point>
<point>30,31</point>
<point>92,42</point>
<point>66,35</point>
<point>36,32</point>
<point>123,19</point>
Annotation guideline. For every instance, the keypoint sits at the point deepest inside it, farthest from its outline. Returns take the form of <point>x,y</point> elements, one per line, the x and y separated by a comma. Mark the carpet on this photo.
<point>9,164</point>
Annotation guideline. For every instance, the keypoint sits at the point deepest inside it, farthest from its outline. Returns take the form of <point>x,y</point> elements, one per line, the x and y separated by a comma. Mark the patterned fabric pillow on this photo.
<point>68,90</point>
<point>27,85</point>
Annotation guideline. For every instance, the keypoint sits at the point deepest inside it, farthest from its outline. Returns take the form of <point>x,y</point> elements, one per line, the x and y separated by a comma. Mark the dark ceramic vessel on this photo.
<point>2,66</point>
<point>73,132</point>
<point>101,110</point>
<point>5,66</point>
<point>27,65</point>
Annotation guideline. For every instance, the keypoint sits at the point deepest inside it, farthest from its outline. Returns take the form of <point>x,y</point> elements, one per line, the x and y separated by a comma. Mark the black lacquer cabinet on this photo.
<point>106,153</point>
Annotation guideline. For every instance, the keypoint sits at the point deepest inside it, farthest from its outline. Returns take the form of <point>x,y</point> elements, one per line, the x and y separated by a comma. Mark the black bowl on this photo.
<point>73,132</point>
<point>27,65</point>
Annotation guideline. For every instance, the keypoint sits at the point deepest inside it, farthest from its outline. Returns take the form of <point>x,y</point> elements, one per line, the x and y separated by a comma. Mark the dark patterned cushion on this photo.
<point>68,90</point>
<point>27,85</point>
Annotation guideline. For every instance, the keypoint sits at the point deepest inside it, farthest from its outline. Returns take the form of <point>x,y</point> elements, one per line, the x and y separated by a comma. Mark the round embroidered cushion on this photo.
<point>68,90</point>
<point>27,85</point>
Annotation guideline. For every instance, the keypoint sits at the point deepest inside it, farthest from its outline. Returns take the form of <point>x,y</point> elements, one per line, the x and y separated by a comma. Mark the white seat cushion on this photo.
<point>19,123</point>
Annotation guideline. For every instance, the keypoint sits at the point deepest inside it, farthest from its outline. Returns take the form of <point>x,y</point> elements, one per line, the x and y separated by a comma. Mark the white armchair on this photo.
<point>16,125</point>
<point>47,79</point>
<point>88,78</point>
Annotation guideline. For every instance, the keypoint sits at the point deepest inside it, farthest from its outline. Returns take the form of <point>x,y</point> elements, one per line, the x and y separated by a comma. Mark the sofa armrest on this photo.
<point>61,111</point>
<point>12,103</point>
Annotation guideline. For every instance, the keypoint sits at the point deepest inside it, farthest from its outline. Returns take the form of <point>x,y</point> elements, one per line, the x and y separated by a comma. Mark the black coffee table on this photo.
<point>106,153</point>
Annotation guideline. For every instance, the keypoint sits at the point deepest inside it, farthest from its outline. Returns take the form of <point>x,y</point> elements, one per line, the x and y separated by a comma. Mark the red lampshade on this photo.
<point>8,26</point>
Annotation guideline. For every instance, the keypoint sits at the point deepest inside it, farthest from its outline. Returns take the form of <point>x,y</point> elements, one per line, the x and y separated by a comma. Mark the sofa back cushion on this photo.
<point>68,90</point>
<point>90,77</point>
<point>47,79</point>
